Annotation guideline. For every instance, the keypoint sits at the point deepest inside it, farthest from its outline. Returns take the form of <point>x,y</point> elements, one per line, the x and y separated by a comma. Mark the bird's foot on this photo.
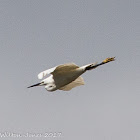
<point>109,59</point>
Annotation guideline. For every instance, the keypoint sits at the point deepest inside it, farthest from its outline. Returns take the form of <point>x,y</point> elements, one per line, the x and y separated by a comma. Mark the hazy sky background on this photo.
<point>39,34</point>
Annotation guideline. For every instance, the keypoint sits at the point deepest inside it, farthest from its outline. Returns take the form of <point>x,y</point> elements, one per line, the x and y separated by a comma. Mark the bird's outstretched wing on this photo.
<point>78,82</point>
<point>44,73</point>
<point>58,69</point>
<point>64,68</point>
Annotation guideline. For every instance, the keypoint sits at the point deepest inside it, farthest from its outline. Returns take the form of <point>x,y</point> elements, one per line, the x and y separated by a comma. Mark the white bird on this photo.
<point>66,76</point>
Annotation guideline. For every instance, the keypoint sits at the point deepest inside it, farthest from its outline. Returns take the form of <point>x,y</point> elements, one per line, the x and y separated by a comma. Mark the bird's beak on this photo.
<point>38,84</point>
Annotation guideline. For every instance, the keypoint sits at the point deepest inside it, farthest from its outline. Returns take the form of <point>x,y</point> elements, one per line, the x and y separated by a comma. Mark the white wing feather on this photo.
<point>60,67</point>
<point>44,73</point>
<point>78,82</point>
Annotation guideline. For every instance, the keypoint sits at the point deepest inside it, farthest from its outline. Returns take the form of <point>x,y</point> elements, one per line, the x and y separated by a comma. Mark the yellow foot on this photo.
<point>109,59</point>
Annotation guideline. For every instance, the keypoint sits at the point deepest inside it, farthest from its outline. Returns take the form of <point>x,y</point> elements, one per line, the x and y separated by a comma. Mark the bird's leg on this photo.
<point>109,59</point>
<point>93,66</point>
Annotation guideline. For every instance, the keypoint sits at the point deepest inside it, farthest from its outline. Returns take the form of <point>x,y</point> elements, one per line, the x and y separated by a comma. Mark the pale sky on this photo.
<point>36,35</point>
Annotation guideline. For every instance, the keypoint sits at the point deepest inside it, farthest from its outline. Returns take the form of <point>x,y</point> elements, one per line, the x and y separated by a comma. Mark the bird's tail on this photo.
<point>94,65</point>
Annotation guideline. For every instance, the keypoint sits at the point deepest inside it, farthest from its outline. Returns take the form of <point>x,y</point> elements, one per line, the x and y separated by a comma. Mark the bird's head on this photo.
<point>48,86</point>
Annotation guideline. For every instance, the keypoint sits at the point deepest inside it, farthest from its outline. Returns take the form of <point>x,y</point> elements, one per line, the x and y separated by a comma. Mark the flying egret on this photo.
<point>66,76</point>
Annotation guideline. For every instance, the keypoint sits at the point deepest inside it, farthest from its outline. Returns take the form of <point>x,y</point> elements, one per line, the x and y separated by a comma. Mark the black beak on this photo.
<point>38,84</point>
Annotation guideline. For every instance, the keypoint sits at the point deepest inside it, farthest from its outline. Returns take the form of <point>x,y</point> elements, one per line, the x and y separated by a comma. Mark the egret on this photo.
<point>66,76</point>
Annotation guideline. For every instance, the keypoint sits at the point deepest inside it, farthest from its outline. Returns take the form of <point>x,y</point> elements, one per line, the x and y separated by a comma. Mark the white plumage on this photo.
<point>66,76</point>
